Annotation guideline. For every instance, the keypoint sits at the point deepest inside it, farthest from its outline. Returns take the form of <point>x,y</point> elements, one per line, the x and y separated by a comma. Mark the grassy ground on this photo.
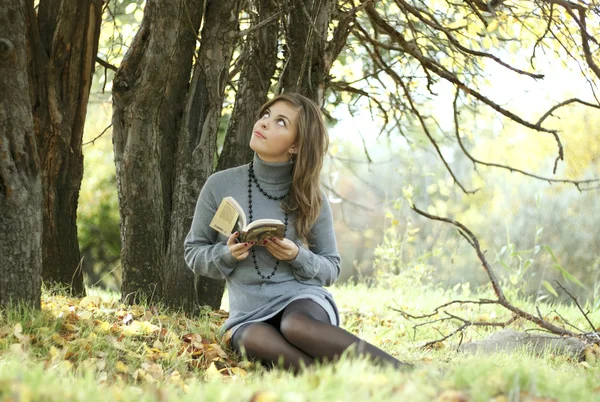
<point>96,349</point>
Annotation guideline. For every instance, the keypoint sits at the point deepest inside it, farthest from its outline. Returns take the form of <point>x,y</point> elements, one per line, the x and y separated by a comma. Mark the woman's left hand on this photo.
<point>283,250</point>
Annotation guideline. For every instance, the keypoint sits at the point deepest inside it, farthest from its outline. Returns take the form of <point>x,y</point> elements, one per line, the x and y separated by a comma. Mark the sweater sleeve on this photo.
<point>320,263</point>
<point>203,253</point>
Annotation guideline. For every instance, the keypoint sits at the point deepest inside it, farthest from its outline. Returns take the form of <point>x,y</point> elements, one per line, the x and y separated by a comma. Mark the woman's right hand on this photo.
<point>239,251</point>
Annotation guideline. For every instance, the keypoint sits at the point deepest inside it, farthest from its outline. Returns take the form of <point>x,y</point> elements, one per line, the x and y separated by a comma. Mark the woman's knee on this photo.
<point>297,326</point>
<point>250,336</point>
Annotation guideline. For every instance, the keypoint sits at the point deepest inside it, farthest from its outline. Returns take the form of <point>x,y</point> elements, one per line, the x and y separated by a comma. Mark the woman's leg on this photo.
<point>305,325</point>
<point>262,341</point>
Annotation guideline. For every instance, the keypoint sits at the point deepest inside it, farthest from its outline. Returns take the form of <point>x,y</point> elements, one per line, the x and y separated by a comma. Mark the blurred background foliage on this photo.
<point>534,233</point>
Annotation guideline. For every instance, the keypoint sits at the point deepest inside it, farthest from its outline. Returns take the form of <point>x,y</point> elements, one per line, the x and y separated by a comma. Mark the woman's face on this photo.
<point>274,134</point>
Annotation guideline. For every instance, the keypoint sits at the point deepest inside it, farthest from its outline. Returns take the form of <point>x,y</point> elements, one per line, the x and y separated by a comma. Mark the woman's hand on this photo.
<point>239,251</point>
<point>283,250</point>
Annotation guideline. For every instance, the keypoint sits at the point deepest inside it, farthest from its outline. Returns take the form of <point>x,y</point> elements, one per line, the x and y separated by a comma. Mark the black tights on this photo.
<point>300,335</point>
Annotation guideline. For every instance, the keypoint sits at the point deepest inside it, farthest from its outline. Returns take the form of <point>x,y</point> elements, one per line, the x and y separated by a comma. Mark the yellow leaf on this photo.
<point>54,353</point>
<point>104,327</point>
<point>59,340</point>
<point>121,367</point>
<point>71,327</point>
<point>452,396</point>
<point>85,315</point>
<point>487,42</point>
<point>492,26</point>
<point>90,300</point>
<point>237,371</point>
<point>264,396</point>
<point>212,372</point>
<point>175,378</point>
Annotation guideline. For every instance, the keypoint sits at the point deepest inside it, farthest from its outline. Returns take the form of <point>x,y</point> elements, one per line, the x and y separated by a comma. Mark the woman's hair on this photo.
<point>311,145</point>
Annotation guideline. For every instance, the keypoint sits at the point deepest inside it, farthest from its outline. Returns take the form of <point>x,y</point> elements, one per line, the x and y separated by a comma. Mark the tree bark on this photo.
<point>196,149</point>
<point>307,67</point>
<point>20,180</point>
<point>147,93</point>
<point>63,42</point>
<point>254,84</point>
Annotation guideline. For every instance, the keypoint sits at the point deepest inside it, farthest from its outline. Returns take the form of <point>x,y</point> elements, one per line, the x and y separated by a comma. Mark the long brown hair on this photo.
<point>311,145</point>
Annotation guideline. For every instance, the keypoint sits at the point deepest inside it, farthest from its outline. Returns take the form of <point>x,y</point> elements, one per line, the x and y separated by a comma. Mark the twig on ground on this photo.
<point>587,318</point>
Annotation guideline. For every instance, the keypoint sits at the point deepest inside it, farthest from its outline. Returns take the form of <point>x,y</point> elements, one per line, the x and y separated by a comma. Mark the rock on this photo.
<point>509,340</point>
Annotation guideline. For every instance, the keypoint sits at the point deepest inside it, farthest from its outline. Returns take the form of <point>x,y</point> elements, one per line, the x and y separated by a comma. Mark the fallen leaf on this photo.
<point>18,331</point>
<point>234,371</point>
<point>85,315</point>
<point>264,396</point>
<point>17,349</point>
<point>95,300</point>
<point>214,351</point>
<point>121,367</point>
<point>212,373</point>
<point>452,396</point>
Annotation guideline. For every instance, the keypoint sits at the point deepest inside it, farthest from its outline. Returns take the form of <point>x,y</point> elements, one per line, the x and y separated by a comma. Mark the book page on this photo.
<point>225,218</point>
<point>240,211</point>
<point>264,229</point>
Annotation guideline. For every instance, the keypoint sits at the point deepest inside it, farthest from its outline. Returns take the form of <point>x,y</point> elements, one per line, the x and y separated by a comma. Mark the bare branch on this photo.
<point>353,11</point>
<point>106,64</point>
<point>434,23</point>
<point>541,38</point>
<point>100,135</point>
<point>432,140</point>
<point>467,234</point>
<point>398,80</point>
<point>343,86</point>
<point>261,24</point>
<point>448,76</point>
<point>576,183</point>
<point>578,306</point>
<point>567,102</point>
<point>437,309</point>
<point>466,324</point>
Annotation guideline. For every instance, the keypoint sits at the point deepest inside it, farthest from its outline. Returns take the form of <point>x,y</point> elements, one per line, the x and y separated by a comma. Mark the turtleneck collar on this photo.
<point>273,172</point>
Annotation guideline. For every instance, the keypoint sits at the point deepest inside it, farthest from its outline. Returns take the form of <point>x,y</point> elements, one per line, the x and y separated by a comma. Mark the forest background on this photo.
<point>533,230</point>
<point>482,112</point>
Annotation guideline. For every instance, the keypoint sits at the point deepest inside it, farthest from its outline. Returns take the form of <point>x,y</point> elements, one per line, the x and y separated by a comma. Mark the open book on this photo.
<point>230,217</point>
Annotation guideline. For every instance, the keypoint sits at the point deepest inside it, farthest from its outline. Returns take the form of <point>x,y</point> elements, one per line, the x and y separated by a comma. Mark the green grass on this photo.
<point>74,352</point>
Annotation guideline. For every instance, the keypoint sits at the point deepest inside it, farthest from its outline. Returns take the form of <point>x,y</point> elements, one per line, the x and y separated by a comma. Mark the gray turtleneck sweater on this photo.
<point>251,298</point>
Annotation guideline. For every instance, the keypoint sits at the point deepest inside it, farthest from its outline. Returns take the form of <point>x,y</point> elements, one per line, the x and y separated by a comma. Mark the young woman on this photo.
<point>279,309</point>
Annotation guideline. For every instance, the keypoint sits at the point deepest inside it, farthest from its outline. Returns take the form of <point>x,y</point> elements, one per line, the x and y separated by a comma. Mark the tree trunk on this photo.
<point>63,42</point>
<point>259,66</point>
<point>307,68</point>
<point>20,182</point>
<point>147,94</point>
<point>196,151</point>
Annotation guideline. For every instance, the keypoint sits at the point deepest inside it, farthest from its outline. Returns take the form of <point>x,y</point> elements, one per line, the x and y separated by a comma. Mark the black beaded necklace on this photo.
<point>252,178</point>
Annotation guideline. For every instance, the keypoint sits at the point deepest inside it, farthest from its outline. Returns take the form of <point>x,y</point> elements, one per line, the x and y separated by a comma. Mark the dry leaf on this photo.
<point>452,396</point>
<point>264,396</point>
<point>121,367</point>
<point>17,349</point>
<point>234,371</point>
<point>212,372</point>
<point>95,300</point>
<point>18,331</point>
